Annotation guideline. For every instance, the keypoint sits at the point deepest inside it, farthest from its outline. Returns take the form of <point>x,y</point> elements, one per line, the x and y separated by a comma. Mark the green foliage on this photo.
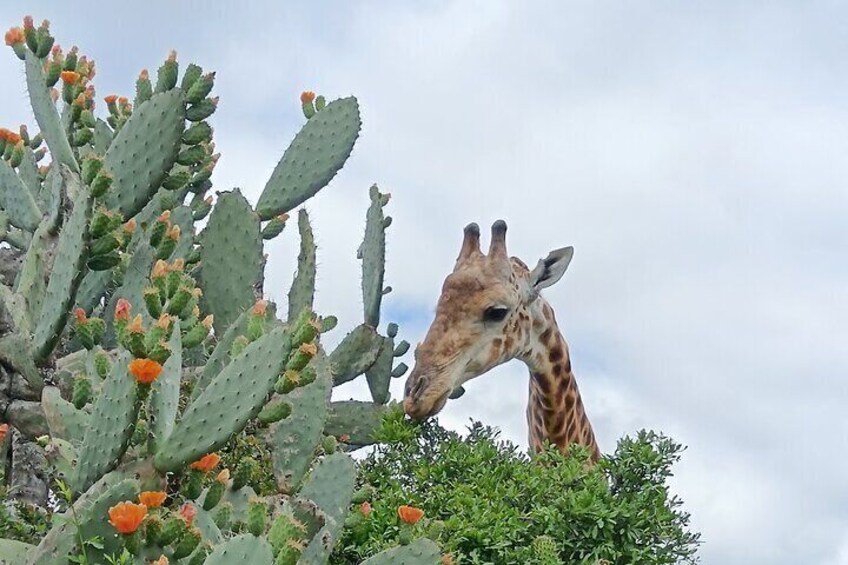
<point>487,502</point>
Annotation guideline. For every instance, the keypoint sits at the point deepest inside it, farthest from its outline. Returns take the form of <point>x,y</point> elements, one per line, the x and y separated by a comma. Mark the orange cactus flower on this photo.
<point>160,269</point>
<point>152,498</point>
<point>208,321</point>
<point>260,308</point>
<point>307,97</point>
<point>365,508</point>
<point>13,138</point>
<point>409,514</point>
<point>79,314</point>
<point>123,309</point>
<point>136,326</point>
<point>14,36</point>
<point>178,265</point>
<point>164,216</point>
<point>344,438</point>
<point>223,476</point>
<point>163,560</point>
<point>174,232</point>
<point>164,321</point>
<point>4,429</point>
<point>28,23</point>
<point>187,513</point>
<point>206,463</point>
<point>145,371</point>
<point>126,517</point>
<point>130,226</point>
<point>70,77</point>
<point>123,101</point>
<point>111,99</point>
<point>144,75</point>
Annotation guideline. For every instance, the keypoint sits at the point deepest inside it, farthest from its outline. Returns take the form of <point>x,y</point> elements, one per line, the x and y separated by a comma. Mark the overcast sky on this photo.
<point>693,153</point>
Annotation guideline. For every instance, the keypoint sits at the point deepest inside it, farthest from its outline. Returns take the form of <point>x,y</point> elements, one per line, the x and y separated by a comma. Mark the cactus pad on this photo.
<point>314,157</point>
<point>46,114</point>
<point>355,354</point>
<point>68,270</point>
<point>144,150</point>
<point>244,549</point>
<point>165,394</point>
<point>231,259</point>
<point>330,486</point>
<point>420,552</point>
<point>17,200</point>
<point>356,419</point>
<point>227,403</point>
<point>112,423</point>
<point>63,419</point>
<point>302,289</point>
<point>295,438</point>
<point>372,252</point>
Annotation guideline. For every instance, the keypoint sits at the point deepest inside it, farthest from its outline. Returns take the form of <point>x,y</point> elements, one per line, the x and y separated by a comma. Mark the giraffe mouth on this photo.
<point>419,412</point>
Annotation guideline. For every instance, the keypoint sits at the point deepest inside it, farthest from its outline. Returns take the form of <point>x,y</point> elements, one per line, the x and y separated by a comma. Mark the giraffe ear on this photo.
<point>550,269</point>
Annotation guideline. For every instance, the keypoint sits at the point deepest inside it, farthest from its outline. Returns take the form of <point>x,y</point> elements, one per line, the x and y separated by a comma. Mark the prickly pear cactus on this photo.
<point>159,383</point>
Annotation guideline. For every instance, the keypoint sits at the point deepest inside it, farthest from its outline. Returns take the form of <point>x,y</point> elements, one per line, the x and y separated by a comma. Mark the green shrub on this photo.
<point>485,501</point>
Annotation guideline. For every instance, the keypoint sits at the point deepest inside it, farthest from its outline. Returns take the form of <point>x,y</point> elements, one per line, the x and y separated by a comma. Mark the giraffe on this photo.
<point>490,312</point>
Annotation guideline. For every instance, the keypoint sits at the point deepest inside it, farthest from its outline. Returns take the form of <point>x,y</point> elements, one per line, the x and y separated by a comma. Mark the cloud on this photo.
<point>692,154</point>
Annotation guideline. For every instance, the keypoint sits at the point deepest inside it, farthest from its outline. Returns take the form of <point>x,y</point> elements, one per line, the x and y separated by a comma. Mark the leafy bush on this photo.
<point>484,501</point>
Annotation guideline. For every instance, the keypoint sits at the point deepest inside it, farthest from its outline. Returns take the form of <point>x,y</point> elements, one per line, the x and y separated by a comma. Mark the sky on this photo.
<point>692,153</point>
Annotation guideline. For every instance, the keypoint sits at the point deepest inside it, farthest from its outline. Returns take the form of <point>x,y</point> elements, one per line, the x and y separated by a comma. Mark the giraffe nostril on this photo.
<point>416,389</point>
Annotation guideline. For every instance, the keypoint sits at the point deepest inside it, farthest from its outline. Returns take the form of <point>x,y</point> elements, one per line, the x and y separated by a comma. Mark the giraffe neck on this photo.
<point>555,410</point>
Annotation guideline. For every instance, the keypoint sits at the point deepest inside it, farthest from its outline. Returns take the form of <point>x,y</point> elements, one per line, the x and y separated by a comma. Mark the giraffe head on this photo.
<point>484,317</point>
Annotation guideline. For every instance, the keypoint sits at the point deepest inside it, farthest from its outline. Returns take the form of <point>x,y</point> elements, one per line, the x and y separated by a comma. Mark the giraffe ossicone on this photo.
<point>489,312</point>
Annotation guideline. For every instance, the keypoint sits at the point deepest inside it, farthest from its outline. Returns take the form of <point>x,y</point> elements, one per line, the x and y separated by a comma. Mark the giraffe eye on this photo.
<point>495,314</point>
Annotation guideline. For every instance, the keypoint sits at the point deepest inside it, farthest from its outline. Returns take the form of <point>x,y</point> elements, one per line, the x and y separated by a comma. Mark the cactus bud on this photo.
<point>17,154</point>
<point>195,335</point>
<point>166,78</point>
<point>197,133</point>
<point>320,103</point>
<point>172,530</point>
<point>159,352</point>
<point>101,184</point>
<point>274,411</point>
<point>179,301</point>
<point>364,494</point>
<point>152,530</point>
<point>16,39</point>
<point>91,165</point>
<point>81,136</point>
<point>306,101</point>
<point>103,262</point>
<point>239,343</point>
<point>29,34</point>
<point>328,323</point>
<point>213,495</point>
<point>244,472</point>
<point>81,392</point>
<point>201,110</point>
<point>102,365</point>
<point>192,484</point>
<point>44,40</point>
<point>192,73</point>
<point>201,208</point>
<point>191,156</point>
<point>143,88</point>
<point>201,88</point>
<point>187,544</point>
<point>274,227</point>
<point>103,245</point>
<point>176,180</point>
<point>301,356</point>
<point>257,517</point>
<point>223,515</point>
<point>329,444</point>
